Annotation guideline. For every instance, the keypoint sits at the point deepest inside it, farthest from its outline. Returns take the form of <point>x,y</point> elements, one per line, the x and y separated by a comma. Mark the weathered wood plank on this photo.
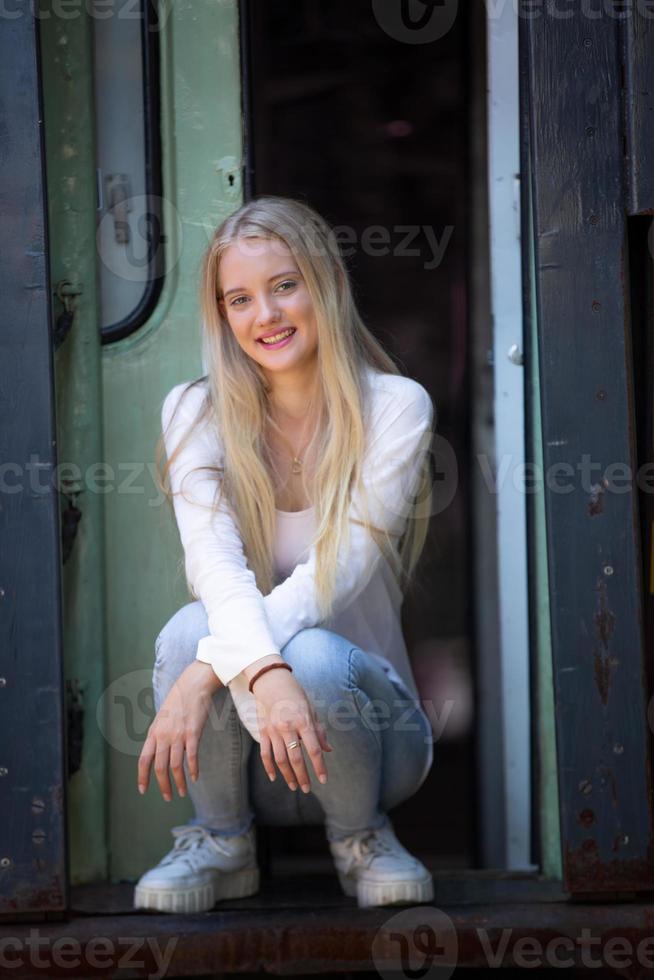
<point>637,32</point>
<point>32,834</point>
<point>592,525</point>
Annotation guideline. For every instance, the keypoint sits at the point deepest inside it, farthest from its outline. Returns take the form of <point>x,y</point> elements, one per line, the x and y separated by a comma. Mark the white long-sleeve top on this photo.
<point>244,625</point>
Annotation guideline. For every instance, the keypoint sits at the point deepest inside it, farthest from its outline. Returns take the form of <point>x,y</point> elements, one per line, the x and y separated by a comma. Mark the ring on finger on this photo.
<point>293,744</point>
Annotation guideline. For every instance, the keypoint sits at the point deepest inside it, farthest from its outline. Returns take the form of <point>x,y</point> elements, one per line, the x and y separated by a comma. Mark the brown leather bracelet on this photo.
<point>263,671</point>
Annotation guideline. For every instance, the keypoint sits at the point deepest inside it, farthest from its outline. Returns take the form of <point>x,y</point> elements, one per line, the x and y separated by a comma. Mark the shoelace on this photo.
<point>190,838</point>
<point>365,847</point>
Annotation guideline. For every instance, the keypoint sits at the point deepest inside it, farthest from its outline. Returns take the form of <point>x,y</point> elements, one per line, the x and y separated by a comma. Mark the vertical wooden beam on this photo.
<point>582,275</point>
<point>637,32</point>
<point>32,786</point>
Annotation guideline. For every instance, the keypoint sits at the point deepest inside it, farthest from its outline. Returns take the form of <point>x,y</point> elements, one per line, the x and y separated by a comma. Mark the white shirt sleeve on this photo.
<point>401,433</point>
<point>214,558</point>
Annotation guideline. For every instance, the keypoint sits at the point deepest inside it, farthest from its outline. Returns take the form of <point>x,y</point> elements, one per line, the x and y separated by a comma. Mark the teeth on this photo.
<point>277,337</point>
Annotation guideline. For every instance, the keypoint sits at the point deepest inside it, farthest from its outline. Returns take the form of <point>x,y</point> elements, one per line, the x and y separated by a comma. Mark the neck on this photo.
<point>290,395</point>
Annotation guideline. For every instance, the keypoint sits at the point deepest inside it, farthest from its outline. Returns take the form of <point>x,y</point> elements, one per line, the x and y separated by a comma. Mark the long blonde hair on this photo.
<point>237,403</point>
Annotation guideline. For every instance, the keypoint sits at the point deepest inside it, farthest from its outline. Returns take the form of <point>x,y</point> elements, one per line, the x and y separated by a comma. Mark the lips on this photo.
<point>273,333</point>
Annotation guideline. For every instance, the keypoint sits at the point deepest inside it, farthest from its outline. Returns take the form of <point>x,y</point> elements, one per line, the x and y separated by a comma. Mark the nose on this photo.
<point>268,311</point>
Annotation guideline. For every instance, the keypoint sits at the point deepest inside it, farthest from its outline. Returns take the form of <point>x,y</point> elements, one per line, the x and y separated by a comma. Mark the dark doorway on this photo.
<point>373,132</point>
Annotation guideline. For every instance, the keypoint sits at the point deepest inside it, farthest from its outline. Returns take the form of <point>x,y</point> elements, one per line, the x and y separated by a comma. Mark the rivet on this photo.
<point>38,836</point>
<point>5,862</point>
<point>623,838</point>
<point>596,306</point>
<point>601,395</point>
<point>608,569</point>
<point>618,749</point>
<point>588,42</point>
<point>594,220</point>
<point>3,771</point>
<point>38,805</point>
<point>590,130</point>
<point>3,681</point>
<point>2,592</point>
<point>586,786</point>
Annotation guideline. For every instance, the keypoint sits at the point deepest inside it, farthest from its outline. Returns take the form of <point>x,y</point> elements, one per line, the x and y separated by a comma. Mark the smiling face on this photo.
<point>264,294</point>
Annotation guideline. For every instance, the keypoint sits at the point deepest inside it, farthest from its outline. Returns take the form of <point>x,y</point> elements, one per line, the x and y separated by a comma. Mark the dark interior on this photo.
<point>375,133</point>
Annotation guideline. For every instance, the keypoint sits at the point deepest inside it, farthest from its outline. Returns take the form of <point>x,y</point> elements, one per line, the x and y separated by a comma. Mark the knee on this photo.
<point>176,644</point>
<point>321,661</point>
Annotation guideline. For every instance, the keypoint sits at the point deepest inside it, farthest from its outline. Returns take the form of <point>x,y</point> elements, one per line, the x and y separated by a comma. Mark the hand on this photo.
<point>177,728</point>
<point>285,714</point>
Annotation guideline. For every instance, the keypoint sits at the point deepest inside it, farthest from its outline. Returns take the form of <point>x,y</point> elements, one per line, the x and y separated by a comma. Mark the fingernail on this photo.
<point>305,788</point>
<point>141,790</point>
<point>323,779</point>
<point>271,777</point>
<point>293,785</point>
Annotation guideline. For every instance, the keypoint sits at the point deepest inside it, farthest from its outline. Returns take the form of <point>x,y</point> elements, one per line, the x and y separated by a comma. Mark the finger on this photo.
<point>177,766</point>
<point>145,762</point>
<point>296,758</point>
<point>161,762</point>
<point>192,743</point>
<point>280,754</point>
<point>322,735</point>
<point>267,757</point>
<point>313,748</point>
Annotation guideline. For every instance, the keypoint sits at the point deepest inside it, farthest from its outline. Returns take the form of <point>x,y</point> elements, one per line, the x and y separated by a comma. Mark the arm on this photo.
<point>401,433</point>
<point>239,637</point>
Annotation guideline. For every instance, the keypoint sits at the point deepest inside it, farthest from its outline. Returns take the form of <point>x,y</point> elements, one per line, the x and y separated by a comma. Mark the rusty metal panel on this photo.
<point>575,133</point>
<point>638,54</point>
<point>32,828</point>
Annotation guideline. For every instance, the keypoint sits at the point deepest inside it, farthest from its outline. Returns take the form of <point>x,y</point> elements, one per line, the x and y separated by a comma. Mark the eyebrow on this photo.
<point>278,275</point>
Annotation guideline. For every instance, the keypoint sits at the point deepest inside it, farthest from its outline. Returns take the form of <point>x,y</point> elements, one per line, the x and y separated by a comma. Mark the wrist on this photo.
<point>256,666</point>
<point>207,675</point>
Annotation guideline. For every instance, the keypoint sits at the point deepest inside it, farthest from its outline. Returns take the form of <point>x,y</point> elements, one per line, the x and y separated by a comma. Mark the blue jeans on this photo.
<point>380,738</point>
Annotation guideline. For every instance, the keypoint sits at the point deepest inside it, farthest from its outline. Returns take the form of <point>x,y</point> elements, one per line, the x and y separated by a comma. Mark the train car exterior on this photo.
<point>560,333</point>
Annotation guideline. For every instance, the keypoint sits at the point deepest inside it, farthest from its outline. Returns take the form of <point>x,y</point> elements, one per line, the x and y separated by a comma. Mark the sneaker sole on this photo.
<point>235,884</point>
<point>370,893</point>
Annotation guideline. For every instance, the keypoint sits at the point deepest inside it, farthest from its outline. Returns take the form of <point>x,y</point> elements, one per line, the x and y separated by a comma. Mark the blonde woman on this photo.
<point>298,469</point>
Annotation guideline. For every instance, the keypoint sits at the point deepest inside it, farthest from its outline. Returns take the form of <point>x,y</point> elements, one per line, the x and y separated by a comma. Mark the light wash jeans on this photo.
<point>380,738</point>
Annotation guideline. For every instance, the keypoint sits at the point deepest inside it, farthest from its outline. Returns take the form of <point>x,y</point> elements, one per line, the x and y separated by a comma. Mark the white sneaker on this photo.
<point>375,868</point>
<point>201,869</point>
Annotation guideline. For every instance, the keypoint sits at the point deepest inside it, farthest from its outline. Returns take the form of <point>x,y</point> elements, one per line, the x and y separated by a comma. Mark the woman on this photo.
<point>298,470</point>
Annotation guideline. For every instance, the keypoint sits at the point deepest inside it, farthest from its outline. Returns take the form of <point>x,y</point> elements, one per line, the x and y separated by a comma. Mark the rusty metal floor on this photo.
<point>300,923</point>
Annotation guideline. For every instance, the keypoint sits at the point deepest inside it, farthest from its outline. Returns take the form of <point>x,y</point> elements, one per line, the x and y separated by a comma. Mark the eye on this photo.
<point>235,301</point>
<point>287,282</point>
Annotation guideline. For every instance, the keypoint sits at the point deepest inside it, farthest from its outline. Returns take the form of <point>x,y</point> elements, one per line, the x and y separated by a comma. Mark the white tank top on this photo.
<point>292,540</point>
